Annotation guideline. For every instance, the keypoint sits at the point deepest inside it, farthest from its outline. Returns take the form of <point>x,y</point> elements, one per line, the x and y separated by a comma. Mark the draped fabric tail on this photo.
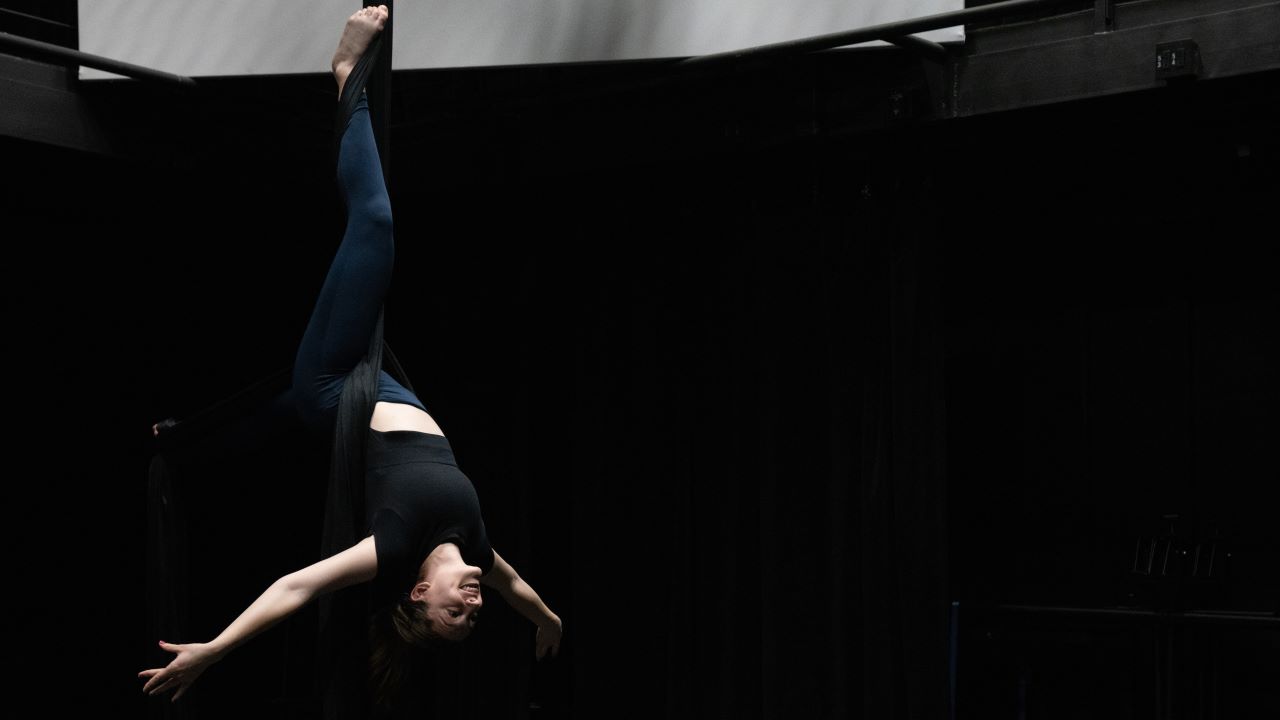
<point>166,553</point>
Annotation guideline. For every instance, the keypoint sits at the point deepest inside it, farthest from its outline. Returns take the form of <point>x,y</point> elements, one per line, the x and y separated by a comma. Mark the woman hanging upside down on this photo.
<point>425,550</point>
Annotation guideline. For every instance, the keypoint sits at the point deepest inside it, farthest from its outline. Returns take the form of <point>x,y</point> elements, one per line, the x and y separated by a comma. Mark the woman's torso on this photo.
<point>416,498</point>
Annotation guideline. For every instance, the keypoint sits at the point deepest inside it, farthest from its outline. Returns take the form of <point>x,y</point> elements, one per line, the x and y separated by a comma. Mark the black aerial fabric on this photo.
<point>343,645</point>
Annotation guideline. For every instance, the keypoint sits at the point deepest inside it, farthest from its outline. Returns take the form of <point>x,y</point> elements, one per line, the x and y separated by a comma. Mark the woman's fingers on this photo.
<point>160,682</point>
<point>153,680</point>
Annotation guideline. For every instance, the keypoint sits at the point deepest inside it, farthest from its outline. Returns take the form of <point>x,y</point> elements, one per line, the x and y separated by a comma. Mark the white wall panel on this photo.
<point>268,37</point>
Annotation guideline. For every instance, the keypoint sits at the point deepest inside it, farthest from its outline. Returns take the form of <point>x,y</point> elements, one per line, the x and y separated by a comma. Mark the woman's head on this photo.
<point>430,616</point>
<point>446,601</point>
<point>440,609</point>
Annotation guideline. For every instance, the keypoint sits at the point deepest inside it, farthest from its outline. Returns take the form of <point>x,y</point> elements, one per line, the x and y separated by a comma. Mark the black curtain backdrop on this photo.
<point>752,380</point>
<point>724,426</point>
<point>711,436</point>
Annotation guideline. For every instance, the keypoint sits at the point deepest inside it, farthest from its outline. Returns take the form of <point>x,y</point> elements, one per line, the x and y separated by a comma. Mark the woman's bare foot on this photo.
<point>361,27</point>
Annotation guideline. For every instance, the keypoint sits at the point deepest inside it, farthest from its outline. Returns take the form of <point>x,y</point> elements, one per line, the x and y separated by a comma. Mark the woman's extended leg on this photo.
<point>346,312</point>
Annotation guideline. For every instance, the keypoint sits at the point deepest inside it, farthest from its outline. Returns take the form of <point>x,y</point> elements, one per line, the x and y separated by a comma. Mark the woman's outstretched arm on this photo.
<point>356,564</point>
<point>520,596</point>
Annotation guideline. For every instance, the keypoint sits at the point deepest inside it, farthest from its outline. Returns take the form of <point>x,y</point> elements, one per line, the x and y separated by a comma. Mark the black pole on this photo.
<point>48,52</point>
<point>885,31</point>
<point>379,91</point>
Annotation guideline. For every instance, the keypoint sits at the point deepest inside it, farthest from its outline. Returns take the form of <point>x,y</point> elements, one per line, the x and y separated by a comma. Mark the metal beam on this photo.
<point>1046,57</point>
<point>42,104</point>
<point>1066,58</point>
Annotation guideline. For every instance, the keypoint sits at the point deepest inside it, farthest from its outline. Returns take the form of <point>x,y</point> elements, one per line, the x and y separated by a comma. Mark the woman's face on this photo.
<point>453,598</point>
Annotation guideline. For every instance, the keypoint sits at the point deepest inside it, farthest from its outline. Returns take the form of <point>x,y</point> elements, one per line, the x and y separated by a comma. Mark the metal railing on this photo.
<point>48,52</point>
<point>900,33</point>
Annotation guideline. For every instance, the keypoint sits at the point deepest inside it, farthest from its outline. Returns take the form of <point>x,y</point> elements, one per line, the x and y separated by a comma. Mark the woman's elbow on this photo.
<point>296,588</point>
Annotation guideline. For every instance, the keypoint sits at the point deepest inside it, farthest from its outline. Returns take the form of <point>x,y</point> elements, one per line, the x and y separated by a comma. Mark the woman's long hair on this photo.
<point>397,638</point>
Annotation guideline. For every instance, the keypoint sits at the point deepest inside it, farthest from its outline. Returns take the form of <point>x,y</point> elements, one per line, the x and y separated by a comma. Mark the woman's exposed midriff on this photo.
<point>388,416</point>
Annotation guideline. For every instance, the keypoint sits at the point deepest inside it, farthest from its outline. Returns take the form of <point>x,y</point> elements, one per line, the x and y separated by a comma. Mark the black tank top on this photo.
<point>416,498</point>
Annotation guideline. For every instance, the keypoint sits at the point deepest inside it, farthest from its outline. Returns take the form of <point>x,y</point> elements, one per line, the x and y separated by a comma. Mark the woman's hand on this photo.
<point>520,596</point>
<point>182,671</point>
<point>356,564</point>
<point>547,644</point>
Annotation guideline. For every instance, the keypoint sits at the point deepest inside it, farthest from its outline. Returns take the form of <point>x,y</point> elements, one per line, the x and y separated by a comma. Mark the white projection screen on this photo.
<point>272,37</point>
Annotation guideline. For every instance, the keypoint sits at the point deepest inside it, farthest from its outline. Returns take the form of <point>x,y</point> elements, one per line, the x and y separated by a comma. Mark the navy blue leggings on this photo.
<point>346,313</point>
